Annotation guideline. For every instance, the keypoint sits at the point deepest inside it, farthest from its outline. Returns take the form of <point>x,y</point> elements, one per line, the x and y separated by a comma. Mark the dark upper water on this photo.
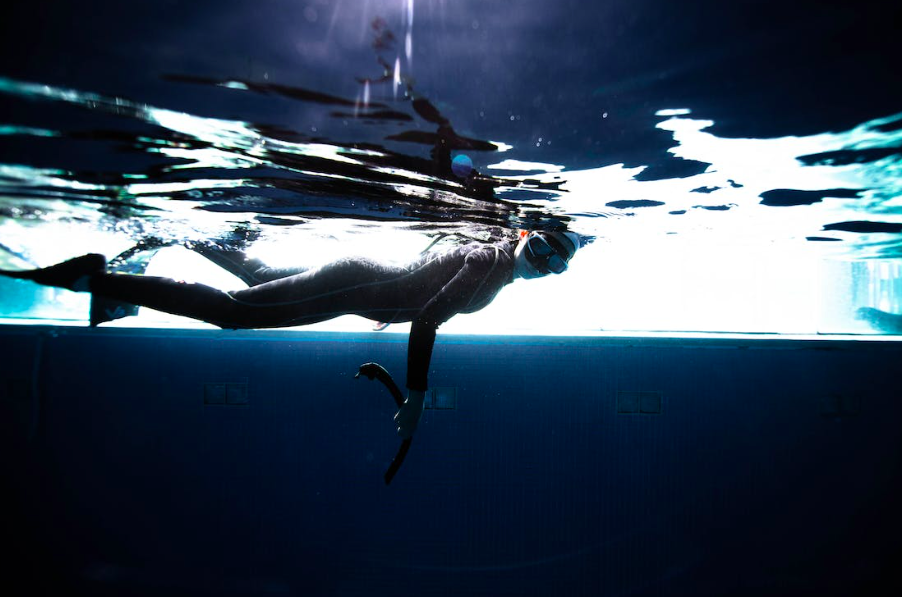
<point>775,122</point>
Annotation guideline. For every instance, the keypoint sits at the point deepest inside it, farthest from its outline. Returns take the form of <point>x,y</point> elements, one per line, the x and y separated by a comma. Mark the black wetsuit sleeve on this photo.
<point>453,298</point>
<point>419,354</point>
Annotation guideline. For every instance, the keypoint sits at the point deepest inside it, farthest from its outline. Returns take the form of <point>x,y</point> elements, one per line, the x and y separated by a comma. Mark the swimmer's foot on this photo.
<point>73,274</point>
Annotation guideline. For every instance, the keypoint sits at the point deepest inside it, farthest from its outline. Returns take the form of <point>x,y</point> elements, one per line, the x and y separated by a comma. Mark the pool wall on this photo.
<point>176,462</point>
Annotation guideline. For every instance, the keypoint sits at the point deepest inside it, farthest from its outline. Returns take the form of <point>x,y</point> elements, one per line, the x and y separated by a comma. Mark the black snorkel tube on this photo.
<point>377,371</point>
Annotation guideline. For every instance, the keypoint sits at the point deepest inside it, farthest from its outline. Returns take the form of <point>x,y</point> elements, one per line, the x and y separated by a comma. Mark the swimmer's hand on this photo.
<point>408,416</point>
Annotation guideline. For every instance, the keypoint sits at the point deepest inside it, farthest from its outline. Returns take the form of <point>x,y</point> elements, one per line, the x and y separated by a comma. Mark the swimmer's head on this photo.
<point>541,253</point>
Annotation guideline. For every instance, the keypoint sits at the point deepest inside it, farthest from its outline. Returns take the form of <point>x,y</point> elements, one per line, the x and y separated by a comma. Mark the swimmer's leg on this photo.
<point>250,270</point>
<point>347,286</point>
<point>197,301</point>
<point>337,289</point>
<point>297,300</point>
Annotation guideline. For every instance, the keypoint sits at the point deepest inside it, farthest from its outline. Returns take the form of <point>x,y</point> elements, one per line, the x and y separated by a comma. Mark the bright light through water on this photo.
<point>718,259</point>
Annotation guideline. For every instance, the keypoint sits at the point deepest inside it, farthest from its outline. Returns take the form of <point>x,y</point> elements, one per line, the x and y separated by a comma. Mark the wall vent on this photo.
<point>639,403</point>
<point>225,394</point>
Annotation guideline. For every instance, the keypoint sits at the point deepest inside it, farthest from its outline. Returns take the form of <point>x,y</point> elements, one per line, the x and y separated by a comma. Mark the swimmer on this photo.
<point>426,292</point>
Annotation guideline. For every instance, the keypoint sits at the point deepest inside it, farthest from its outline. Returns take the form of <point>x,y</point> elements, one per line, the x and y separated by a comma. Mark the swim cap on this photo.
<point>569,242</point>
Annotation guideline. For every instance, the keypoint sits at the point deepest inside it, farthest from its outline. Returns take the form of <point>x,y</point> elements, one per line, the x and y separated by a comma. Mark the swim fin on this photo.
<point>105,309</point>
<point>131,261</point>
<point>72,274</point>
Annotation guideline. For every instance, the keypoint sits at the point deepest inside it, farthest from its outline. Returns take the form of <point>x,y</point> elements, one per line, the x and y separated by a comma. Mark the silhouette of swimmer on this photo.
<point>427,292</point>
<point>884,321</point>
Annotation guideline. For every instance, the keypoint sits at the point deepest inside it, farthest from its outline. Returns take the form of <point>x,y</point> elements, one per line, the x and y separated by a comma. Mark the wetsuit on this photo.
<point>426,292</point>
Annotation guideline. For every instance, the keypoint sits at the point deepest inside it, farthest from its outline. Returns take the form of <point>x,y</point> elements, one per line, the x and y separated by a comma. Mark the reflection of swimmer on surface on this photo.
<point>427,292</point>
<point>891,323</point>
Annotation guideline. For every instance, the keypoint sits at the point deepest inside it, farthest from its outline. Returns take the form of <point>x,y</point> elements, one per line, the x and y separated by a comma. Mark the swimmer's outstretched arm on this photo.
<point>453,298</point>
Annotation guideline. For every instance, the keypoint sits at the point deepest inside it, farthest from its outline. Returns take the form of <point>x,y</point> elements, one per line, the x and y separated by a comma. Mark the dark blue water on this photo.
<point>761,467</point>
<point>757,69</point>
